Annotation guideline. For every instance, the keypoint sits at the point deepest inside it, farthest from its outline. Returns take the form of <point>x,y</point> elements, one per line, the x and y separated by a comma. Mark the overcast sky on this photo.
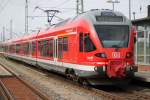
<point>15,10</point>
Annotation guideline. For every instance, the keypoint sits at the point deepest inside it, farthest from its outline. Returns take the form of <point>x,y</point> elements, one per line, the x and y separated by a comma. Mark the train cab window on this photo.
<point>113,36</point>
<point>65,44</point>
<point>81,42</point>
<point>88,44</point>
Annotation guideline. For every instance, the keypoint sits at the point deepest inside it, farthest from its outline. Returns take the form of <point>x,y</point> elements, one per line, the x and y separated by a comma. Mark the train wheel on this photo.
<point>83,81</point>
<point>71,74</point>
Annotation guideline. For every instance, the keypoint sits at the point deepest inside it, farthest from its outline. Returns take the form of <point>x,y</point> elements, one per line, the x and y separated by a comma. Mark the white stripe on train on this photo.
<point>61,64</point>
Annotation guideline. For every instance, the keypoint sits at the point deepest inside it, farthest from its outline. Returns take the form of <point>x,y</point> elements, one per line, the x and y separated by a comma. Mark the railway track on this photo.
<point>132,92</point>
<point>14,88</point>
<point>124,95</point>
<point>104,94</point>
<point>4,93</point>
<point>129,92</point>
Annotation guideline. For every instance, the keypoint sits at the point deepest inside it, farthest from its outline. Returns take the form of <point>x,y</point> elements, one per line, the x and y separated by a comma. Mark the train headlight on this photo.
<point>101,55</point>
<point>100,69</point>
<point>129,68</point>
<point>129,55</point>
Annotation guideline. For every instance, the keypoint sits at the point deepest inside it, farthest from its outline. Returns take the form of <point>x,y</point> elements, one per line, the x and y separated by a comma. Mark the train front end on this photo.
<point>117,50</point>
<point>113,38</point>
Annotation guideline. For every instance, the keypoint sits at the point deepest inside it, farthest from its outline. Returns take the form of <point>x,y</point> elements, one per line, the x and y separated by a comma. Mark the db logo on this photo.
<point>116,55</point>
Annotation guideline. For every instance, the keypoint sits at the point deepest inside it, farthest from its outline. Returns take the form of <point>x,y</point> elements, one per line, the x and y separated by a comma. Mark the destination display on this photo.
<point>109,18</point>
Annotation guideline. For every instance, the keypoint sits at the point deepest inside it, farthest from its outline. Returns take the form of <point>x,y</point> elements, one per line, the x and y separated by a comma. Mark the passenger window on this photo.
<point>51,48</point>
<point>33,46</point>
<point>26,48</point>
<point>12,50</point>
<point>65,44</point>
<point>43,48</point>
<point>40,47</point>
<point>17,48</point>
<point>46,48</point>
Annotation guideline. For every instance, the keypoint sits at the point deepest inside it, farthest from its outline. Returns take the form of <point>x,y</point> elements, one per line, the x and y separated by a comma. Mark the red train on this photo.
<point>96,45</point>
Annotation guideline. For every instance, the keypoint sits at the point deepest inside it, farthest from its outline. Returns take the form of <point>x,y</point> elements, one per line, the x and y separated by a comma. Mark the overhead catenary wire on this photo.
<point>64,8</point>
<point>57,7</point>
<point>56,17</point>
<point>50,14</point>
<point>62,3</point>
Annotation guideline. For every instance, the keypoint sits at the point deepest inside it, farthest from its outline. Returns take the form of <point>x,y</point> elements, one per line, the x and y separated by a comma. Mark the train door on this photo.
<point>60,49</point>
<point>55,50</point>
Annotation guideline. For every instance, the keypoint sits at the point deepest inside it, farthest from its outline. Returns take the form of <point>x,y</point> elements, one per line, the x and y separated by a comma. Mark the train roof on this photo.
<point>89,16</point>
<point>66,24</point>
<point>22,39</point>
<point>103,16</point>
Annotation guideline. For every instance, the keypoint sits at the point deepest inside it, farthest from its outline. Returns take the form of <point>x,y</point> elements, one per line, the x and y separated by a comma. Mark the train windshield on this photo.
<point>112,36</point>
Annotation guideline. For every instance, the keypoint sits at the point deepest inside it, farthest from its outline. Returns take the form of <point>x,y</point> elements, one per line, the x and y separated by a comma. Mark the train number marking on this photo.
<point>116,55</point>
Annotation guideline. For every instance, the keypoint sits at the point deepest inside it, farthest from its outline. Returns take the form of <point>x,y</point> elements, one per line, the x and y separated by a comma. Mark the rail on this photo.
<point>34,89</point>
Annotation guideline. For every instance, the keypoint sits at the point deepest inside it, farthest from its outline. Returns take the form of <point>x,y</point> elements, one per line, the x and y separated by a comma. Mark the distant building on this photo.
<point>143,39</point>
